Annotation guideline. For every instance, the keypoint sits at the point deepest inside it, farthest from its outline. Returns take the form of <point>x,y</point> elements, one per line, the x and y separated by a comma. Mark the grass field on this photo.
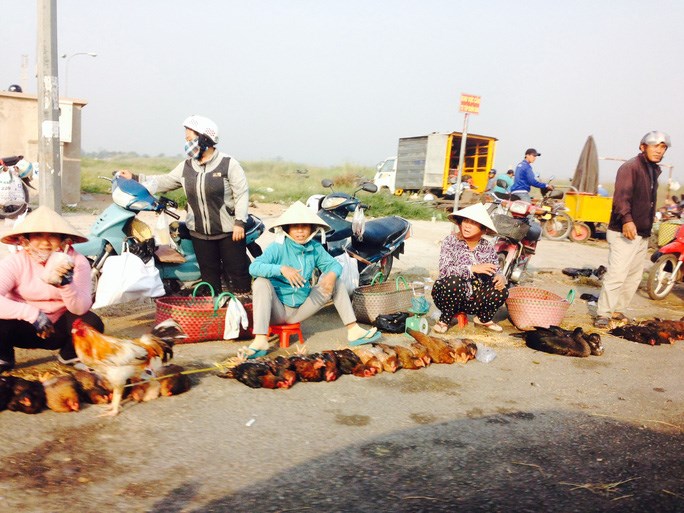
<point>269,182</point>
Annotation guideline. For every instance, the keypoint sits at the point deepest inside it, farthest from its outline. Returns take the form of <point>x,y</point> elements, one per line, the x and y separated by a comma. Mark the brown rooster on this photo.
<point>369,358</point>
<point>407,358</point>
<point>119,360</point>
<point>62,393</point>
<point>464,349</point>
<point>308,367</point>
<point>6,391</point>
<point>27,396</point>
<point>421,352</point>
<point>94,389</point>
<point>389,358</point>
<point>349,363</point>
<point>283,369</point>
<point>438,349</point>
<point>175,383</point>
<point>332,366</point>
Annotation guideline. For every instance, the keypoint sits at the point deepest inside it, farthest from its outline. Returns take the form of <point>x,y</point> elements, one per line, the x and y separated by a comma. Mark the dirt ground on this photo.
<point>526,432</point>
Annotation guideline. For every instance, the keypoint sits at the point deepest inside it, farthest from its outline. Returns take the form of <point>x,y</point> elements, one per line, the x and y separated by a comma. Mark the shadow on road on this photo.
<point>542,461</point>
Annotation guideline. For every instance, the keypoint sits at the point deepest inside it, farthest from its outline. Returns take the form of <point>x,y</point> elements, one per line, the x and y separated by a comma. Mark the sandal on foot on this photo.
<point>368,337</point>
<point>490,325</point>
<point>601,322</point>
<point>619,316</point>
<point>440,327</point>
<point>249,353</point>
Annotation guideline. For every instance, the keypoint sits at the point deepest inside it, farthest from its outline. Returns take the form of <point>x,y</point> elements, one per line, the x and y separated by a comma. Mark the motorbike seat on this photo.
<point>11,161</point>
<point>378,232</point>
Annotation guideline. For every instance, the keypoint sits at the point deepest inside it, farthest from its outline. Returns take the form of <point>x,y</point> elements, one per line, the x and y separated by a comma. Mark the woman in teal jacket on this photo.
<point>282,291</point>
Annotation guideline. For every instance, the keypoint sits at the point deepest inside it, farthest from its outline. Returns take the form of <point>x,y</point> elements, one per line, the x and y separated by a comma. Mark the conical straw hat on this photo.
<point>299,213</point>
<point>42,220</point>
<point>477,212</point>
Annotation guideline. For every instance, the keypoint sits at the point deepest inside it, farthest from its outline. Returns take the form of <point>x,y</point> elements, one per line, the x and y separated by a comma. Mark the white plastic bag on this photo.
<point>236,316</point>
<point>11,189</point>
<point>359,222</point>
<point>162,236</point>
<point>126,277</point>
<point>350,272</point>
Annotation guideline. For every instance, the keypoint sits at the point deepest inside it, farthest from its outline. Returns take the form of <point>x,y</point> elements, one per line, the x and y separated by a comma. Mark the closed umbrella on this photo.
<point>587,172</point>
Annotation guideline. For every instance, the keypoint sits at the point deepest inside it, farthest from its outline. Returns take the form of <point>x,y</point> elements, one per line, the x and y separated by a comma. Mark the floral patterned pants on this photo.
<point>476,297</point>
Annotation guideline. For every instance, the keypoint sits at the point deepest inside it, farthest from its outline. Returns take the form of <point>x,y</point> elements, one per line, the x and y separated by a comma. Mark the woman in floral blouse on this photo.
<point>469,279</point>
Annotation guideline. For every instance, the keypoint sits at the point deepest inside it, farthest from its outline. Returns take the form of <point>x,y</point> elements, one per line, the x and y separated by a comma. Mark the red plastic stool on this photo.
<point>285,331</point>
<point>462,319</point>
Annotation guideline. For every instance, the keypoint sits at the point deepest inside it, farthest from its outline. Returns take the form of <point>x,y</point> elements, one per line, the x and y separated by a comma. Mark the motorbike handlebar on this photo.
<point>364,206</point>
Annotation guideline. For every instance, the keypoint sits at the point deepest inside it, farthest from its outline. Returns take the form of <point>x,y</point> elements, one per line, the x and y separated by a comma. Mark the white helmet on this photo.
<point>655,137</point>
<point>204,126</point>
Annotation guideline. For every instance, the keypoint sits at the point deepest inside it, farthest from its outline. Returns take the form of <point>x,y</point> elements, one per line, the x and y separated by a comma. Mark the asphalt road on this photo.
<point>526,432</point>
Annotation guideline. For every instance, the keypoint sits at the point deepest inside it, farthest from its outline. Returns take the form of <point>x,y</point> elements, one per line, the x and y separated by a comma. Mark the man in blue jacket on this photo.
<point>524,177</point>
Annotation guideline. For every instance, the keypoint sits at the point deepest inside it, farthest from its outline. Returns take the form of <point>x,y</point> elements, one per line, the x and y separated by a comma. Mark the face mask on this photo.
<point>192,148</point>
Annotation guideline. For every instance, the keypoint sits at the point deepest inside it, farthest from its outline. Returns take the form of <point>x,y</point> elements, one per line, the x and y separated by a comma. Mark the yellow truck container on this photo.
<point>430,162</point>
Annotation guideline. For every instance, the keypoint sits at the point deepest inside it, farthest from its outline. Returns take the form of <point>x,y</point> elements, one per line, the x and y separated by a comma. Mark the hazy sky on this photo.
<point>327,82</point>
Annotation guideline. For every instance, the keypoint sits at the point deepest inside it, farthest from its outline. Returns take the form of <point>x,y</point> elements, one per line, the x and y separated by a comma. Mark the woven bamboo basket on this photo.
<point>529,307</point>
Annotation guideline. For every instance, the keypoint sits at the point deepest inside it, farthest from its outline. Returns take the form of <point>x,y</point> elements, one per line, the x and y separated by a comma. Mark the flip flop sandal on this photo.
<point>440,327</point>
<point>491,325</point>
<point>366,339</point>
<point>255,353</point>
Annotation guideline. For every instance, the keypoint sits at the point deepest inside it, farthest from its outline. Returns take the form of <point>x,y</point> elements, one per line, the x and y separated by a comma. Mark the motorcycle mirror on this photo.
<point>369,187</point>
<point>327,183</point>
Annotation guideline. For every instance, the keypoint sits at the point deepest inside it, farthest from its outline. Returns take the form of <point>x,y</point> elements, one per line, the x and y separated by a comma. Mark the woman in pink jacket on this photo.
<point>44,287</point>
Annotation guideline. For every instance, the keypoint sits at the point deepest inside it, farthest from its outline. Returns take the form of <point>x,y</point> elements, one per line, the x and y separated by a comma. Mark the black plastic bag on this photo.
<point>392,323</point>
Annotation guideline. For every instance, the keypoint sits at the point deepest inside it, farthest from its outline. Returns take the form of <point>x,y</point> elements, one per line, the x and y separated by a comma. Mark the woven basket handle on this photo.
<point>219,298</point>
<point>570,298</point>
<point>401,279</point>
<point>378,276</point>
<point>194,291</point>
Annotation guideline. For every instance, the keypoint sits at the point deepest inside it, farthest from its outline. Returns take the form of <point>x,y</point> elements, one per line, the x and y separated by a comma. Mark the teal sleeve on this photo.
<point>268,264</point>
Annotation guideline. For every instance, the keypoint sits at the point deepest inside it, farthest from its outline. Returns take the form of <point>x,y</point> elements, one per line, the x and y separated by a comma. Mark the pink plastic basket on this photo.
<point>529,307</point>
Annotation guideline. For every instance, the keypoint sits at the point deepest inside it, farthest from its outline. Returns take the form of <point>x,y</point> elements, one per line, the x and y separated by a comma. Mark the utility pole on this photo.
<point>50,171</point>
<point>470,104</point>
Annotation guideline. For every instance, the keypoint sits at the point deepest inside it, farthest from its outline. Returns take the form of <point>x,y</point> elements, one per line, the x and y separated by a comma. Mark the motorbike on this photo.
<point>15,180</point>
<point>374,244</point>
<point>668,267</point>
<point>518,232</point>
<point>553,214</point>
<point>118,224</point>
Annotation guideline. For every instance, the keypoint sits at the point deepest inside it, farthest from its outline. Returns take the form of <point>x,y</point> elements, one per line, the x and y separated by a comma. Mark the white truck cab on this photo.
<point>386,174</point>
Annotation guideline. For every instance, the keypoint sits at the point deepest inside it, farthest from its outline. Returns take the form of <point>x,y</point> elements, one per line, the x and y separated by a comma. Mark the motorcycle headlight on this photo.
<point>329,203</point>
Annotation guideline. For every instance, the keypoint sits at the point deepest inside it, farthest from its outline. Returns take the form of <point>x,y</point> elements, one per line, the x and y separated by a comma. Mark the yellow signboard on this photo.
<point>470,103</point>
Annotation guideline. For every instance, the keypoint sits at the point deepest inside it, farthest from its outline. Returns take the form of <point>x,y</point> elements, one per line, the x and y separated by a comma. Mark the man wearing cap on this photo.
<point>44,288</point>
<point>631,220</point>
<point>524,177</point>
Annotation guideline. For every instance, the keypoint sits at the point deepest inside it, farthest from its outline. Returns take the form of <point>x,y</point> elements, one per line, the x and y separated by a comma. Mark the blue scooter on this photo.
<point>118,224</point>
<point>376,248</point>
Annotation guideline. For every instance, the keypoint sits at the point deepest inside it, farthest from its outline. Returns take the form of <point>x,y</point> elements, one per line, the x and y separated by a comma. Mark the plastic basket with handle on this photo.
<point>379,298</point>
<point>200,317</point>
<point>529,307</point>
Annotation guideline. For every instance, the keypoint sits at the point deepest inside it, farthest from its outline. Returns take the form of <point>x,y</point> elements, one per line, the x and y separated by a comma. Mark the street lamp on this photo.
<point>66,68</point>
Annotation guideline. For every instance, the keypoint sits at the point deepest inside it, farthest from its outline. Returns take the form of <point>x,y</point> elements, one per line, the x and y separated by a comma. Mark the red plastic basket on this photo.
<point>529,307</point>
<point>198,317</point>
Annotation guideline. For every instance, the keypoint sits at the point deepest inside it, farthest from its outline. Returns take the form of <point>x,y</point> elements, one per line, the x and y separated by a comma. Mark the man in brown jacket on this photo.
<point>631,220</point>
